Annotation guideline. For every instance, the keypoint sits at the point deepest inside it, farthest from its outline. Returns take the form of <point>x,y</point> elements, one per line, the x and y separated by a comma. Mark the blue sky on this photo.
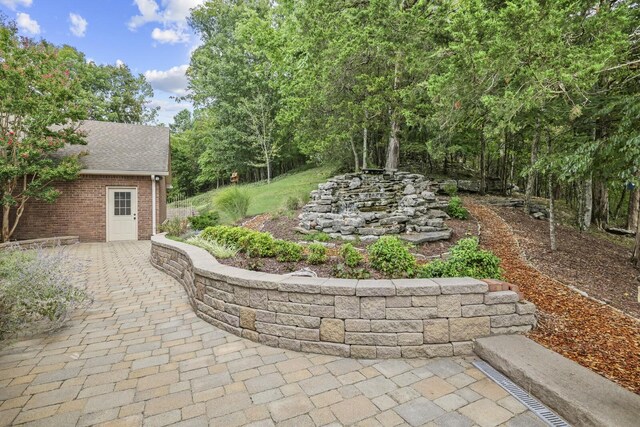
<point>150,36</point>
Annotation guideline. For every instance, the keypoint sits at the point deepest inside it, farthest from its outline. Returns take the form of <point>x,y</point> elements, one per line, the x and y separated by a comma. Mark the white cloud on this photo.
<point>12,4</point>
<point>78,25</point>
<point>172,14</point>
<point>173,80</point>
<point>171,36</point>
<point>168,109</point>
<point>27,24</point>
<point>119,63</point>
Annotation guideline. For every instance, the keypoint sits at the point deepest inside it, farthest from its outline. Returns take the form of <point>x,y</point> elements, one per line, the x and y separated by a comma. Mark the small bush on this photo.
<point>317,254</point>
<point>342,271</point>
<point>225,234</point>
<point>466,260</point>
<point>36,291</point>
<point>233,202</point>
<point>257,244</point>
<point>391,256</point>
<point>208,219</point>
<point>456,210</point>
<point>317,236</point>
<point>293,203</point>
<point>215,248</point>
<point>174,227</point>
<point>287,251</point>
<point>451,189</point>
<point>352,258</point>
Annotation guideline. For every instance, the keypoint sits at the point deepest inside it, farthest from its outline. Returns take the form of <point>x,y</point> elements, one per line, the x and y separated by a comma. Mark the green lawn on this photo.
<point>271,197</point>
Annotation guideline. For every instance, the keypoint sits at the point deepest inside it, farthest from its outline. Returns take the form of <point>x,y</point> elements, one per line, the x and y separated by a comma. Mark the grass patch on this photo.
<point>270,197</point>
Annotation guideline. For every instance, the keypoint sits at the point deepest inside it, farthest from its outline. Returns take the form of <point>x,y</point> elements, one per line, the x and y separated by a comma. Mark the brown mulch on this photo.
<point>594,335</point>
<point>599,267</point>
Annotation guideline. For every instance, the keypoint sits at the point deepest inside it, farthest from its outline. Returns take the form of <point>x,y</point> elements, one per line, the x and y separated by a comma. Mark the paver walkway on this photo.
<point>139,356</point>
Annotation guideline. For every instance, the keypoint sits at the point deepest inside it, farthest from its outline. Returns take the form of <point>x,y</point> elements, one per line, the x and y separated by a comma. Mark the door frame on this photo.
<point>108,211</point>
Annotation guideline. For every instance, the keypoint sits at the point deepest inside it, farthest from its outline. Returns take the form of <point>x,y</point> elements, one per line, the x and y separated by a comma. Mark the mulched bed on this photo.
<point>594,335</point>
<point>282,227</point>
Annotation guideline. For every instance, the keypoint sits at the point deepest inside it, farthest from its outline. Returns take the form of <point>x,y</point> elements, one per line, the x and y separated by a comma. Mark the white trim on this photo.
<point>115,173</point>
<point>107,210</point>
<point>153,205</point>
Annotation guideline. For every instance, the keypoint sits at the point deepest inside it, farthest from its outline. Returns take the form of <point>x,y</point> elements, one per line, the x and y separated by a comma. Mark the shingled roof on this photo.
<point>123,147</point>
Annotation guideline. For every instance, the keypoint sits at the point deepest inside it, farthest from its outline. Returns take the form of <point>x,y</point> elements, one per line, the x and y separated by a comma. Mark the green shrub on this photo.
<point>391,256</point>
<point>225,234</point>
<point>456,210</point>
<point>317,236</point>
<point>352,258</point>
<point>317,254</point>
<point>342,271</point>
<point>293,203</point>
<point>233,202</point>
<point>215,248</point>
<point>287,251</point>
<point>207,219</point>
<point>451,189</point>
<point>36,290</point>
<point>174,227</point>
<point>257,244</point>
<point>466,260</point>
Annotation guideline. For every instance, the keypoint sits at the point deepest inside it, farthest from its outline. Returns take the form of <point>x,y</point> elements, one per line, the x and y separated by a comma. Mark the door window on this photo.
<point>122,203</point>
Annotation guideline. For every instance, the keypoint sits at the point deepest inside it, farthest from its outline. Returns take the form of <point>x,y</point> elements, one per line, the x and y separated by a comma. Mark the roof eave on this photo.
<point>121,172</point>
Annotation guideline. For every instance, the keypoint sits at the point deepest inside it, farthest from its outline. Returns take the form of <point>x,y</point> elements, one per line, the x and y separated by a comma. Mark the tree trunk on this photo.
<point>585,204</point>
<point>355,155</point>
<point>483,162</point>
<point>634,208</point>
<point>531,178</point>
<point>393,150</point>
<point>5,224</point>
<point>601,204</point>
<point>552,205</point>
<point>636,250</point>
<point>365,141</point>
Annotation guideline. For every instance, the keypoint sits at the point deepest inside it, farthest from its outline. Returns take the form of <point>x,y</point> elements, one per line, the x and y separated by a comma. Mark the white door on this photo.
<point>122,214</point>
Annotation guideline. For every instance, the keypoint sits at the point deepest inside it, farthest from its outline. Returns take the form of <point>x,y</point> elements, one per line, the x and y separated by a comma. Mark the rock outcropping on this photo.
<point>372,205</point>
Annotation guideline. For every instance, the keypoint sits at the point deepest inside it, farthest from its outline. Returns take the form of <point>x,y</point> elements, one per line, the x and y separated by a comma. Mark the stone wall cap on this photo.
<point>379,288</point>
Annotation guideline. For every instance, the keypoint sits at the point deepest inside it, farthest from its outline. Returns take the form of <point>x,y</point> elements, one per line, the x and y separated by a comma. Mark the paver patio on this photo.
<point>139,356</point>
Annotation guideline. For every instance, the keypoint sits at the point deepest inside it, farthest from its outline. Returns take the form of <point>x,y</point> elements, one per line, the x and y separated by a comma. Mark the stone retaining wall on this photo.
<point>349,318</point>
<point>47,242</point>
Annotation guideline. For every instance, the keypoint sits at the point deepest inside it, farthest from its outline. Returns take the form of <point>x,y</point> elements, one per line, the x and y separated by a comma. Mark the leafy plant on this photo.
<point>36,290</point>
<point>317,253</point>
<point>226,234</point>
<point>202,221</point>
<point>317,236</point>
<point>342,271</point>
<point>215,248</point>
<point>293,203</point>
<point>257,244</point>
<point>392,257</point>
<point>286,251</point>
<point>350,255</point>
<point>233,202</point>
<point>466,260</point>
<point>456,210</point>
<point>451,189</point>
<point>174,227</point>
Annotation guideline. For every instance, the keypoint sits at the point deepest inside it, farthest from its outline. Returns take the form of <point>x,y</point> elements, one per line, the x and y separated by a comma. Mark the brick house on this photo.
<point>120,193</point>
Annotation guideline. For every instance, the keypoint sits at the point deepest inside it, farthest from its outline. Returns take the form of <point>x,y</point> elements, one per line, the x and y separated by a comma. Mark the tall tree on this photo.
<point>40,106</point>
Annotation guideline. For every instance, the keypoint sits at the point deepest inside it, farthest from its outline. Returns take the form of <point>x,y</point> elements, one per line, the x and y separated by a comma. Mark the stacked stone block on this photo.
<point>374,205</point>
<point>348,318</point>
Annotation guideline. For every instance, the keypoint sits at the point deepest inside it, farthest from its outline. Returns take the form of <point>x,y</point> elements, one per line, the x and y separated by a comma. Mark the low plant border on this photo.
<point>344,317</point>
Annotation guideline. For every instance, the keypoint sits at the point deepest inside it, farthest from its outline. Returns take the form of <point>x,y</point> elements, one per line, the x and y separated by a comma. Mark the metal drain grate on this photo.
<point>545,414</point>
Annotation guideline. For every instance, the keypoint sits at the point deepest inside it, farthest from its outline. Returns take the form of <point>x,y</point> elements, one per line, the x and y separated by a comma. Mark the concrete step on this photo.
<point>579,395</point>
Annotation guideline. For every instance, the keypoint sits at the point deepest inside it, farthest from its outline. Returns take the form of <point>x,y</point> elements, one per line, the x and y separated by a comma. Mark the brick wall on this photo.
<point>349,318</point>
<point>81,209</point>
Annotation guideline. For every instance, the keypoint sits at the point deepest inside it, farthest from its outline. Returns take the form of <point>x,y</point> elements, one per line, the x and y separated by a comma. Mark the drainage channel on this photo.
<point>544,413</point>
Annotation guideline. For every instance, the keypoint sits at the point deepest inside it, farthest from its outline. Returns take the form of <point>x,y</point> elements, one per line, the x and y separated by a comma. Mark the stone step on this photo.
<point>431,236</point>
